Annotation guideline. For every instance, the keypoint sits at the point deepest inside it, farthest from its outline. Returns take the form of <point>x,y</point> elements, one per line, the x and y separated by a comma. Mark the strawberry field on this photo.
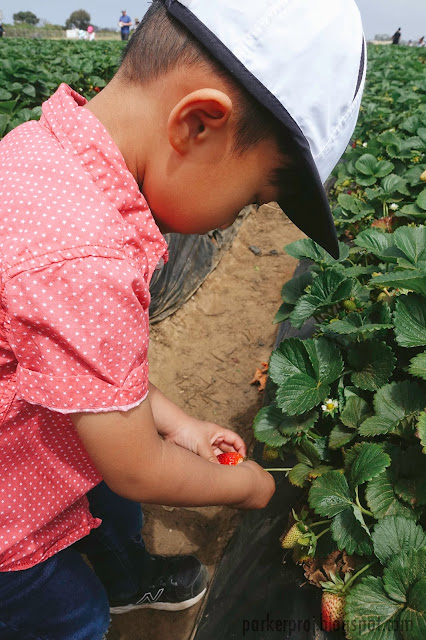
<point>347,421</point>
<point>349,402</point>
<point>31,70</point>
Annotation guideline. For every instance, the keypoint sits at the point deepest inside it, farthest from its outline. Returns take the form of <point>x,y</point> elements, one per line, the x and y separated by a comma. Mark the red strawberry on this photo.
<point>230,457</point>
<point>332,610</point>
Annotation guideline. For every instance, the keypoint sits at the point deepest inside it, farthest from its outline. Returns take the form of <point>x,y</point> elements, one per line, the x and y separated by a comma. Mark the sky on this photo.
<point>379,16</point>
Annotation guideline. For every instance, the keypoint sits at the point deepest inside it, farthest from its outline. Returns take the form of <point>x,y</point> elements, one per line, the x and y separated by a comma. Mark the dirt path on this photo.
<point>204,357</point>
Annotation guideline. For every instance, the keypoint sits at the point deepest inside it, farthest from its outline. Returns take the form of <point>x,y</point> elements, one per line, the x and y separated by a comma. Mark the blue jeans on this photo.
<point>62,598</point>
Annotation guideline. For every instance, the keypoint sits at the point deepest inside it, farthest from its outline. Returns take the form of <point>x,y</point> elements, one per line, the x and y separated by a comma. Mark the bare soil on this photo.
<point>204,357</point>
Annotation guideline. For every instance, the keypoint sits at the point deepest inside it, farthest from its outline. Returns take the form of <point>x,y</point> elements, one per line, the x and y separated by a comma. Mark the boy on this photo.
<point>215,105</point>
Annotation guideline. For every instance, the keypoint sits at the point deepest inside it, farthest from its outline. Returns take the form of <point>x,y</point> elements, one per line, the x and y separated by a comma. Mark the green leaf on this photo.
<point>330,494</point>
<point>354,325</point>
<point>274,428</point>
<point>339,436</point>
<point>375,241</point>
<point>306,307</point>
<point>349,534</point>
<point>299,474</point>
<point>8,106</point>
<point>290,358</point>
<point>354,205</point>
<point>421,199</point>
<point>402,572</point>
<point>417,365</point>
<point>307,248</point>
<point>4,121</point>
<point>295,288</point>
<point>283,312</point>
<point>377,426</point>
<point>421,430</point>
<point>399,400</point>
<point>410,321</point>
<point>356,410</point>
<point>301,393</point>
<point>373,363</point>
<point>370,166</point>
<point>5,95</point>
<point>369,613</point>
<point>394,535</point>
<point>412,242</point>
<point>393,184</point>
<point>365,461</point>
<point>414,280</point>
<point>382,499</point>
<point>328,288</point>
<point>304,370</point>
<point>413,618</point>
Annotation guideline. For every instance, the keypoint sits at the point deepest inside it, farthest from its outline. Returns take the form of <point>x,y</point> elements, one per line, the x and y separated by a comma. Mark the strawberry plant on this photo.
<point>349,403</point>
<point>31,70</point>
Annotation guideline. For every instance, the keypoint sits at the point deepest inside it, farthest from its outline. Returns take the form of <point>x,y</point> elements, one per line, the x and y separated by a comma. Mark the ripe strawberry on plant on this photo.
<point>230,457</point>
<point>333,601</point>
<point>332,611</point>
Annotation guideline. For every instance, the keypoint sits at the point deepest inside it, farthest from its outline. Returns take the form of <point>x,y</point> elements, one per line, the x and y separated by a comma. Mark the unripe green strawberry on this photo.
<point>292,537</point>
<point>349,305</point>
<point>332,610</point>
<point>423,176</point>
<point>269,453</point>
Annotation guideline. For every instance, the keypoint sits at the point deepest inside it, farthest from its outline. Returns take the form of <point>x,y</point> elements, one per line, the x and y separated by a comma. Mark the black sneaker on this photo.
<point>181,581</point>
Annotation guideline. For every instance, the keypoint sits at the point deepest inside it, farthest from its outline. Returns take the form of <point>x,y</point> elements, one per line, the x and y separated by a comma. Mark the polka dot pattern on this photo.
<point>78,246</point>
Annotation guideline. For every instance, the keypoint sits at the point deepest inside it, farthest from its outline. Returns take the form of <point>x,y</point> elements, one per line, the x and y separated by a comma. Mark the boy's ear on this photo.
<point>196,117</point>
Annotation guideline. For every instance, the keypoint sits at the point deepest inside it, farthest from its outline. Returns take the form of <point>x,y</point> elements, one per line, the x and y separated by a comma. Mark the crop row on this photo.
<point>349,403</point>
<point>31,70</point>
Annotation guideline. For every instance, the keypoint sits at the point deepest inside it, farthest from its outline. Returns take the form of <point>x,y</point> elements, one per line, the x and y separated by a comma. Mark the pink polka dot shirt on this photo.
<point>78,246</point>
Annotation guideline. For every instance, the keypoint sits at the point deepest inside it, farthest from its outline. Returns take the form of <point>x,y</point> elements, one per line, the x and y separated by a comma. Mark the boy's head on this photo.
<point>272,98</point>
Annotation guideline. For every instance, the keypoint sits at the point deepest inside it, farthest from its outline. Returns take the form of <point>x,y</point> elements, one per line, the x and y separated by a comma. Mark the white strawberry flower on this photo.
<point>394,206</point>
<point>365,144</point>
<point>329,406</point>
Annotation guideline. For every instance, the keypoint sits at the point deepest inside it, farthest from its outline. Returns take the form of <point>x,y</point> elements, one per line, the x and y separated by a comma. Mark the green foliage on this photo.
<point>31,70</point>
<point>363,373</point>
<point>79,19</point>
<point>26,17</point>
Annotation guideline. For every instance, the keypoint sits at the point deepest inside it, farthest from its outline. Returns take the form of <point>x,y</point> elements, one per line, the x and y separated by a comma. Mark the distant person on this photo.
<point>136,24</point>
<point>90,32</point>
<point>396,36</point>
<point>125,23</point>
<point>2,31</point>
<point>421,42</point>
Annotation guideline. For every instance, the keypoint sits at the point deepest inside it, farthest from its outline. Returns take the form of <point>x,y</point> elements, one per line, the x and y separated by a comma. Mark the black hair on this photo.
<point>161,43</point>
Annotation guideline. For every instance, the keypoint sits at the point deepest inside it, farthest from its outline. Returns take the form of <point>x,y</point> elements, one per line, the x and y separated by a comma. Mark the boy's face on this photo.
<point>202,192</point>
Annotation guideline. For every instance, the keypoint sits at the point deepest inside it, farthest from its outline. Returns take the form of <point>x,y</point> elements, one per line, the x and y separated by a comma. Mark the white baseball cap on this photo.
<point>305,61</point>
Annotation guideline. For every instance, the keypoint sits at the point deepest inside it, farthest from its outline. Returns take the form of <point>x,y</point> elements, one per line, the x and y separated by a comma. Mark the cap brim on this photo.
<point>308,208</point>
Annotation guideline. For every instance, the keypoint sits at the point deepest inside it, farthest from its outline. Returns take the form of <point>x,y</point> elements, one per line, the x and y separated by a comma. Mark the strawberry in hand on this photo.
<point>230,457</point>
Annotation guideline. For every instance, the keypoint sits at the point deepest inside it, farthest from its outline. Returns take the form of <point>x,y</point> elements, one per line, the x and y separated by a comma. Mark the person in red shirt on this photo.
<point>185,135</point>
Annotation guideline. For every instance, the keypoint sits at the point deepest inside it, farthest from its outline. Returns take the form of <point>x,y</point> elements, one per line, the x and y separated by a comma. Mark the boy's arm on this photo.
<point>138,464</point>
<point>206,439</point>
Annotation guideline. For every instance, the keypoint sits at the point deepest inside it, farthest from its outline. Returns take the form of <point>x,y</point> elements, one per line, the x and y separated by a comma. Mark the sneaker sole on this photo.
<point>163,606</point>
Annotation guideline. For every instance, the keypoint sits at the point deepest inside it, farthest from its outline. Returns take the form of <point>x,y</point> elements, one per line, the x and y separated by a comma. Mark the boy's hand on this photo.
<point>206,439</point>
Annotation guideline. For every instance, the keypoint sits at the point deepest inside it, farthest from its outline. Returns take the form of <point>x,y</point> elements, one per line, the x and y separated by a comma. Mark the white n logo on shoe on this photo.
<point>148,597</point>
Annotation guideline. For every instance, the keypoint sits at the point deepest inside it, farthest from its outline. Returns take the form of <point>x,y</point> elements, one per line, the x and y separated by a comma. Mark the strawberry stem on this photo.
<point>316,524</point>
<point>280,469</point>
<point>358,573</point>
<point>322,533</point>
<point>366,511</point>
